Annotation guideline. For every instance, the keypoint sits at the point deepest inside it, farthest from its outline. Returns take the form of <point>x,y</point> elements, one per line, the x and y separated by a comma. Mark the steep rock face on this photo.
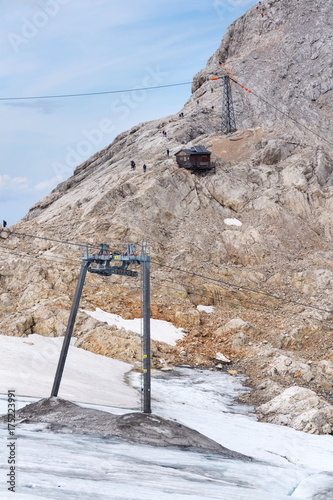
<point>260,223</point>
<point>284,57</point>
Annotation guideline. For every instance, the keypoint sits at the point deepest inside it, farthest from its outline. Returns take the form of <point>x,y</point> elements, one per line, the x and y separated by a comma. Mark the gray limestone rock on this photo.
<point>299,408</point>
<point>285,58</point>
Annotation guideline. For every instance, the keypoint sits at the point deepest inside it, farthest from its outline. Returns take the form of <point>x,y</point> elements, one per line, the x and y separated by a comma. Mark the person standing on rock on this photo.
<point>260,9</point>
<point>133,165</point>
<point>144,166</point>
<point>4,224</point>
<point>168,152</point>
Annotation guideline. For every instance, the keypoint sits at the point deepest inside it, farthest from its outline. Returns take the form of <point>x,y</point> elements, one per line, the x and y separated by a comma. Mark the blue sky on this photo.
<point>51,47</point>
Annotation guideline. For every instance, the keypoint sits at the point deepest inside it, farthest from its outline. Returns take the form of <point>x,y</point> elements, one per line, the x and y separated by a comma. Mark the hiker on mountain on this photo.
<point>133,165</point>
<point>4,224</point>
<point>260,9</point>
<point>144,166</point>
<point>168,152</point>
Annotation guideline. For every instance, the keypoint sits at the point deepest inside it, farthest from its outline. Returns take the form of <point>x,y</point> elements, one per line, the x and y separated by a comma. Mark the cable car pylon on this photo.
<point>228,114</point>
<point>102,267</point>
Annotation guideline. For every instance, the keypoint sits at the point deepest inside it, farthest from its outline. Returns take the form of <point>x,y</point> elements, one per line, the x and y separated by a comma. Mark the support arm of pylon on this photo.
<point>70,327</point>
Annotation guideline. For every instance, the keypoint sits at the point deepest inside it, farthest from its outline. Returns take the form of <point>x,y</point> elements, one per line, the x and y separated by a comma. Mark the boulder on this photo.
<point>188,319</point>
<point>235,326</point>
<point>324,374</point>
<point>300,409</point>
<point>284,365</point>
<point>275,151</point>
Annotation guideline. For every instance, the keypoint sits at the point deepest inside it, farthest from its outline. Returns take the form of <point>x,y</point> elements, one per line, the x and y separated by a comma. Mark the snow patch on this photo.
<point>160,330</point>
<point>207,309</point>
<point>221,357</point>
<point>233,222</point>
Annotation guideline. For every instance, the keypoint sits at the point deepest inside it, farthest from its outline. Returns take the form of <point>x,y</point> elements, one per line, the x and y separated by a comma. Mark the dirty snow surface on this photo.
<point>159,329</point>
<point>65,417</point>
<point>286,463</point>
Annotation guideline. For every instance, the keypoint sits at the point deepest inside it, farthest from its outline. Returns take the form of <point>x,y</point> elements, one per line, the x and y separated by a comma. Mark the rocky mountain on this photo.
<point>282,51</point>
<point>254,236</point>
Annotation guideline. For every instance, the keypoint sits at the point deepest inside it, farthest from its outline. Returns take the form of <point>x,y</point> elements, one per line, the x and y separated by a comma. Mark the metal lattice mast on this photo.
<point>228,115</point>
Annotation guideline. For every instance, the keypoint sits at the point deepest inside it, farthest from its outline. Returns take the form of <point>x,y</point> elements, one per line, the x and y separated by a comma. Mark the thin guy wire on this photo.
<point>241,287</point>
<point>193,287</point>
<point>238,304</point>
<point>286,114</point>
<point>56,260</point>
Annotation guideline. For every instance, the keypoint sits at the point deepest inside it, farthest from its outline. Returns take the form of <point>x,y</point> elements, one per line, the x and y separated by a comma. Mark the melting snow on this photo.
<point>288,463</point>
<point>159,329</point>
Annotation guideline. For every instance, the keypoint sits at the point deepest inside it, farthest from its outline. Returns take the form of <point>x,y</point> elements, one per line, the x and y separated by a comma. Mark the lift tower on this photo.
<point>228,115</point>
<point>102,266</point>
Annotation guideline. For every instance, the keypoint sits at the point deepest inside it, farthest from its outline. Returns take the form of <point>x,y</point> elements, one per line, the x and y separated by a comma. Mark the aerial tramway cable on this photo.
<point>245,288</point>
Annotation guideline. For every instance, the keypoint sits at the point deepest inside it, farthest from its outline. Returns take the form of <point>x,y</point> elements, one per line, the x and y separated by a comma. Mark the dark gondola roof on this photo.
<point>195,150</point>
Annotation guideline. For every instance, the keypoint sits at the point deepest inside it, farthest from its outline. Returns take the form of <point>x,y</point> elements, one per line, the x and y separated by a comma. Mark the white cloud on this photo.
<point>11,187</point>
<point>13,184</point>
<point>49,184</point>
